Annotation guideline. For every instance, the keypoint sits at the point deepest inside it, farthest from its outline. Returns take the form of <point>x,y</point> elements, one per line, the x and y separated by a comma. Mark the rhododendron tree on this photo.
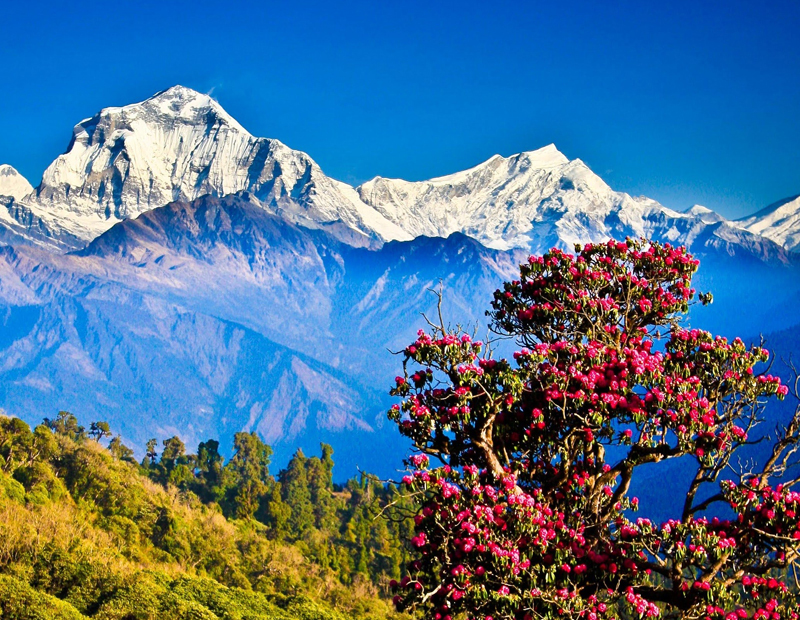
<point>522,469</point>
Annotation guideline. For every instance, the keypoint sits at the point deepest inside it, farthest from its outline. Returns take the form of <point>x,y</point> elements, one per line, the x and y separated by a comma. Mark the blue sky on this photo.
<point>685,102</point>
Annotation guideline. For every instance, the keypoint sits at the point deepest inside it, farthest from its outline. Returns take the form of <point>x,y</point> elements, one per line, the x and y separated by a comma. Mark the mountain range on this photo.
<point>173,274</point>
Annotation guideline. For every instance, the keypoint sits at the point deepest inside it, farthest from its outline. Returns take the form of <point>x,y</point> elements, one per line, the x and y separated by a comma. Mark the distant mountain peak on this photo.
<point>781,207</point>
<point>704,213</point>
<point>180,144</point>
<point>779,221</point>
<point>533,200</point>
<point>180,92</point>
<point>12,183</point>
<point>176,145</point>
<point>546,156</point>
<point>185,103</point>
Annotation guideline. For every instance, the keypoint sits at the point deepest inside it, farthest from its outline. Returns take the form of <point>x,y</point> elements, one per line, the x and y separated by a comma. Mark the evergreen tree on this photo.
<point>275,513</point>
<point>247,475</point>
<point>119,450</point>
<point>296,494</point>
<point>209,471</point>
<point>150,454</point>
<point>98,430</point>
<point>15,442</point>
<point>67,425</point>
<point>319,473</point>
<point>176,467</point>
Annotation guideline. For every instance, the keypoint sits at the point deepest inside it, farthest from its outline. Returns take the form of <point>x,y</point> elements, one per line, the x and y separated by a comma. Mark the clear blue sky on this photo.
<point>686,102</point>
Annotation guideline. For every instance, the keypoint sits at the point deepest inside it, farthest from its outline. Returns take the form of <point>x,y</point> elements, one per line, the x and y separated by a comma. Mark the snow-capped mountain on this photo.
<point>532,200</point>
<point>494,202</point>
<point>179,145</point>
<point>704,213</point>
<point>540,199</point>
<point>12,183</point>
<point>779,221</point>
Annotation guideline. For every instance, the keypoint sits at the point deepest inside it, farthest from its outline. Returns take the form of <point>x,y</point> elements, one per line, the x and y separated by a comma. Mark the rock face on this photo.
<point>779,222</point>
<point>13,184</point>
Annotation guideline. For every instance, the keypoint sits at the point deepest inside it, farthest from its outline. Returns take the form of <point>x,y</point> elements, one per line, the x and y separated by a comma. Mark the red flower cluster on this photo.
<point>526,518</point>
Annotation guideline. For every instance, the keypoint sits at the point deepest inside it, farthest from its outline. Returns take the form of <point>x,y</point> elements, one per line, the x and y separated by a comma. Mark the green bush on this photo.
<point>11,489</point>
<point>19,601</point>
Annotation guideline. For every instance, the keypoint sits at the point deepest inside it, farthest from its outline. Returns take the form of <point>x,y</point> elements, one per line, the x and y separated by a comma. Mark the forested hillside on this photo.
<point>85,531</point>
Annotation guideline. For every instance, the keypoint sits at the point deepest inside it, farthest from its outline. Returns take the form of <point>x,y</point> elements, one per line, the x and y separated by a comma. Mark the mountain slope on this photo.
<point>266,325</point>
<point>779,222</point>
<point>263,324</point>
<point>89,533</point>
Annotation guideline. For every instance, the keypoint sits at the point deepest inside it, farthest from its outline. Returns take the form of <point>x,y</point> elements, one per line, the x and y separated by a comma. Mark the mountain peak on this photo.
<point>780,222</point>
<point>179,145</point>
<point>540,159</point>
<point>704,214</point>
<point>184,103</point>
<point>176,145</point>
<point>534,199</point>
<point>781,207</point>
<point>12,183</point>
<point>178,91</point>
<point>545,157</point>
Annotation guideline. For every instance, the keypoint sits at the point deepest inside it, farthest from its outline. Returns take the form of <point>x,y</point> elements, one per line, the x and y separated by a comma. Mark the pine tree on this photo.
<point>209,471</point>
<point>296,494</point>
<point>247,476</point>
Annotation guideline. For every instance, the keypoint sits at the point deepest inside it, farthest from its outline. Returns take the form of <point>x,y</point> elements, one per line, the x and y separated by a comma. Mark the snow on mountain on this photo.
<point>779,221</point>
<point>12,183</point>
<point>704,213</point>
<point>179,145</point>
<point>533,200</point>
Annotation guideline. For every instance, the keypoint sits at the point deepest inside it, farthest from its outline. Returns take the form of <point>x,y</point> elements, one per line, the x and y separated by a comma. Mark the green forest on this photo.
<point>88,532</point>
